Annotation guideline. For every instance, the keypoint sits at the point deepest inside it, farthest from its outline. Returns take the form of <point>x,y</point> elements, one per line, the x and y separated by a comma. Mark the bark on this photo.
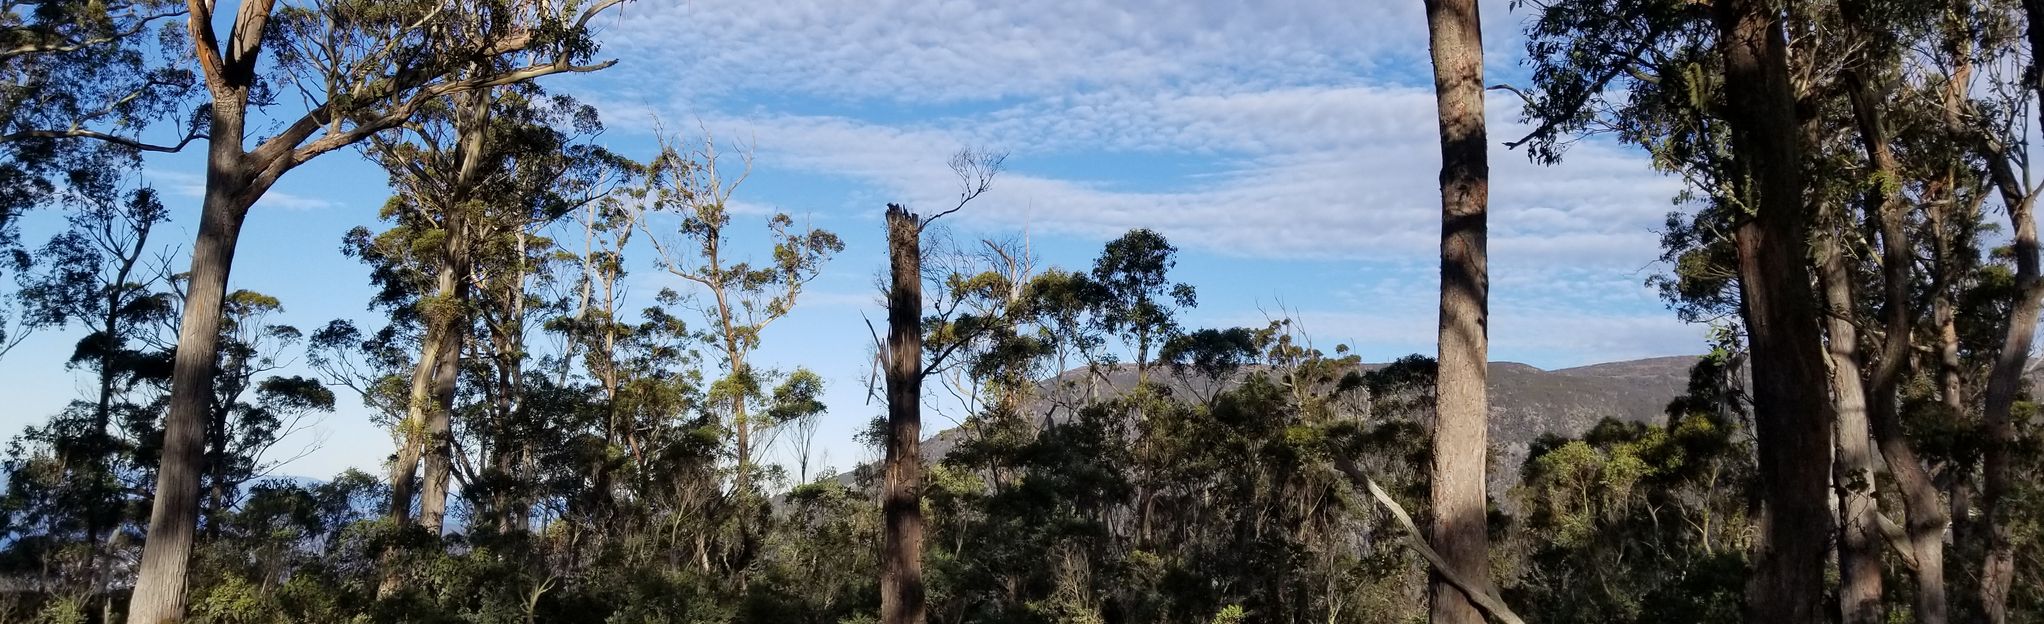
<point>508,502</point>
<point>1924,519</point>
<point>1859,536</point>
<point>1951,390</point>
<point>404,469</point>
<point>720,282</point>
<point>2004,381</point>
<point>1459,531</point>
<point>426,434</point>
<point>1944,201</point>
<point>743,423</point>
<point>1859,545</point>
<point>159,595</point>
<point>439,424</point>
<point>901,576</point>
<point>1956,476</point>
<point>1792,416</point>
<point>423,400</point>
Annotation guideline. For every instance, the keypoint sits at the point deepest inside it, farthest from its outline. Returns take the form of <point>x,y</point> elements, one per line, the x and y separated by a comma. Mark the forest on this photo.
<point>1859,445</point>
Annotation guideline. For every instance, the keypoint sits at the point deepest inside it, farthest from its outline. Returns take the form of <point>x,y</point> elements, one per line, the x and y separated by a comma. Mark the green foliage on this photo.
<point>62,611</point>
<point>1641,523</point>
<point>1232,614</point>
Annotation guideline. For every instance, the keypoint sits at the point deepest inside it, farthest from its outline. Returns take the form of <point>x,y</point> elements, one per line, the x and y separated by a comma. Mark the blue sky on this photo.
<point>1287,148</point>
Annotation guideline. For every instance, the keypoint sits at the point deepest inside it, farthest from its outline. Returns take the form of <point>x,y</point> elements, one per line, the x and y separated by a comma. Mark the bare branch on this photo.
<point>976,170</point>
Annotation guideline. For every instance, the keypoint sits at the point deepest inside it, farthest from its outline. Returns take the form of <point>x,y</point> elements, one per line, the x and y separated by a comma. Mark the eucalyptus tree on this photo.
<point>1136,298</point>
<point>1462,405</point>
<point>438,164</point>
<point>100,273</point>
<point>1876,82</point>
<point>592,328</point>
<point>740,298</point>
<point>1830,196</point>
<point>986,343</point>
<point>1916,126</point>
<point>548,166</point>
<point>360,69</point>
<point>83,69</point>
<point>1131,295</point>
<point>1793,422</point>
<point>477,176</point>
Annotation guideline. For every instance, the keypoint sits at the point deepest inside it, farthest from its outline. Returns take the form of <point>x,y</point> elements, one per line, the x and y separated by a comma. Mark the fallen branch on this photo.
<point>1897,538</point>
<point>1490,603</point>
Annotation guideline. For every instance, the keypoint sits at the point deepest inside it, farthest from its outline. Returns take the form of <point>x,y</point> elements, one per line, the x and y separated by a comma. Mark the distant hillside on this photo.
<point>1525,403</point>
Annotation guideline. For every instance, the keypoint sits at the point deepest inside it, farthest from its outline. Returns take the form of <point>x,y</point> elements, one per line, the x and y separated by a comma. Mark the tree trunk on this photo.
<point>450,311</point>
<point>1859,543</point>
<point>159,595</point>
<point>509,437</point>
<point>1998,567</point>
<point>102,416</point>
<point>430,402</point>
<point>1462,404</point>
<point>404,470</point>
<point>411,433</point>
<point>1955,476</point>
<point>1792,416</point>
<point>1924,519</point>
<point>901,558</point>
<point>743,424</point>
<point>2004,382</point>
<point>439,443</point>
<point>216,467</point>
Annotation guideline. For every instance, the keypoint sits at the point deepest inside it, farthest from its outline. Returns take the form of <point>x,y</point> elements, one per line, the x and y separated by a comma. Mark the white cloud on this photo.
<point>957,50</point>
<point>193,186</point>
<point>289,201</point>
<point>1333,172</point>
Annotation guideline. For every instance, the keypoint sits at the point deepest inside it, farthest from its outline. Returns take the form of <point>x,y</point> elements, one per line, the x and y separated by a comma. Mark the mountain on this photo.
<point>1525,402</point>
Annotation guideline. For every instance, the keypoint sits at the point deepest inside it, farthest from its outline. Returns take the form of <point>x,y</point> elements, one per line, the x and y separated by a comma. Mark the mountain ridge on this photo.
<point>1526,402</point>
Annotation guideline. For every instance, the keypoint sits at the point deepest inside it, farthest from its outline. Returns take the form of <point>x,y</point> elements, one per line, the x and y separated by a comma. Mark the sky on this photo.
<point>1288,149</point>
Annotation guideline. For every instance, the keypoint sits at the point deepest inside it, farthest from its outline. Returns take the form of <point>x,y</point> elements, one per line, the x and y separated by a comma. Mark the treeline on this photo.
<point>1858,446</point>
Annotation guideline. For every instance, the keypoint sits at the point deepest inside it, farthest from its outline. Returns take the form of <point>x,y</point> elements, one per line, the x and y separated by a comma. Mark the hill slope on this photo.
<point>1525,403</point>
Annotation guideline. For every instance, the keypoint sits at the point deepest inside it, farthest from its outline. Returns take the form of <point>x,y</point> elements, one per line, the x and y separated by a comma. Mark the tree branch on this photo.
<point>1547,127</point>
<point>976,171</point>
<point>79,133</point>
<point>1491,604</point>
<point>141,23</point>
